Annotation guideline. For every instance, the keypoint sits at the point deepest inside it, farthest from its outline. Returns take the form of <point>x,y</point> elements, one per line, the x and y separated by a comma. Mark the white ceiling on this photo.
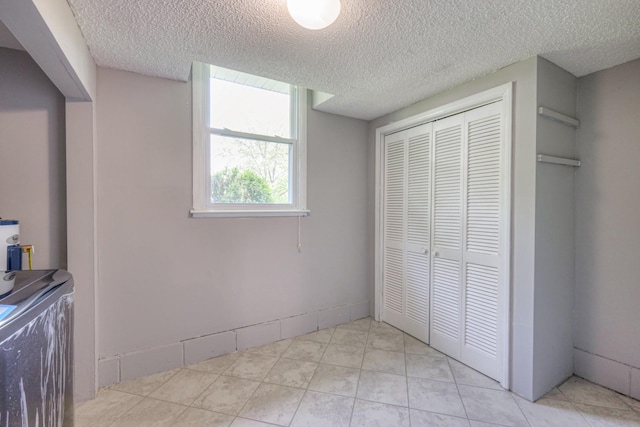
<point>379,56</point>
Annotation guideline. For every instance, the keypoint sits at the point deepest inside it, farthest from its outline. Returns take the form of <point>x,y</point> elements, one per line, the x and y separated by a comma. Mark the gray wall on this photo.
<point>607,294</point>
<point>523,74</point>
<point>32,157</point>
<point>554,253</point>
<point>165,277</point>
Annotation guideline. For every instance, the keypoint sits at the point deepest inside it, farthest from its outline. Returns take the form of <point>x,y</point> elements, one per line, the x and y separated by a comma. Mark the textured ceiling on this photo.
<point>379,56</point>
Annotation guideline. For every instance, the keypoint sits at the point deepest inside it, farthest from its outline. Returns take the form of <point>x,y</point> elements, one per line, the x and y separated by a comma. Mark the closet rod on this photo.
<point>558,160</point>
<point>554,115</point>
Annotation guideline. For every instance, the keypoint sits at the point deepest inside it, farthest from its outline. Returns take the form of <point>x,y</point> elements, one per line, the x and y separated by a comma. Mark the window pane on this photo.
<point>244,108</point>
<point>248,171</point>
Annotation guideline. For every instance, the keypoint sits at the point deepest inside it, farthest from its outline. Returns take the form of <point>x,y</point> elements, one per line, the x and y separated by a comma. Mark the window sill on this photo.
<point>247,213</point>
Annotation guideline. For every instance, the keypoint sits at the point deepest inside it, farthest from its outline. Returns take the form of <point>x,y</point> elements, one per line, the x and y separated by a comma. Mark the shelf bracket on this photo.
<point>558,160</point>
<point>554,115</point>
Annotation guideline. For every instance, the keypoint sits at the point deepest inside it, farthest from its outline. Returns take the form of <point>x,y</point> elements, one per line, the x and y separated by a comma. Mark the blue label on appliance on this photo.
<point>5,310</point>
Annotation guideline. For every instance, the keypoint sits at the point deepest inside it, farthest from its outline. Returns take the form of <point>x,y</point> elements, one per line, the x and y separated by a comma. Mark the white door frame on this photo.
<point>500,93</point>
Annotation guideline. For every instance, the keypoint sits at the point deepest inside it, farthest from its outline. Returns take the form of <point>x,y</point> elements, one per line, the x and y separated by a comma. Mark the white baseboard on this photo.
<point>123,367</point>
<point>623,378</point>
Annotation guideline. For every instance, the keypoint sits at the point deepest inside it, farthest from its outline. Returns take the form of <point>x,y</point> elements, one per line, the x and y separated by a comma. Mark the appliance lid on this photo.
<point>30,287</point>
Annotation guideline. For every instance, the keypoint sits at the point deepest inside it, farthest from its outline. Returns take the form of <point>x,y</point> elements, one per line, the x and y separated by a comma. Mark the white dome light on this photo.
<point>314,14</point>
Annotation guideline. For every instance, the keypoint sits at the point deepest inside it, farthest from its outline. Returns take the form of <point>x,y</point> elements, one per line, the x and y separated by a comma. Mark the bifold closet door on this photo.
<point>447,235</point>
<point>469,246</point>
<point>406,234</point>
<point>394,225</point>
<point>485,217</point>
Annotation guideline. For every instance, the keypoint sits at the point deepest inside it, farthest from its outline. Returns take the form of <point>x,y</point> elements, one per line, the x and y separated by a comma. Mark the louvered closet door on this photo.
<point>406,230</point>
<point>447,235</point>
<point>483,248</point>
<point>418,231</point>
<point>469,211</point>
<point>394,226</point>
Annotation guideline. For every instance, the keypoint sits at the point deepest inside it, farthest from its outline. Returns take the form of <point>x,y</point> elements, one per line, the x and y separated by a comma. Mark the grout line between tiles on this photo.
<point>519,408</point>
<point>298,407</point>
<point>406,382</point>
<point>245,403</point>
<point>455,381</point>
<point>128,410</point>
<point>573,405</point>
<point>355,397</point>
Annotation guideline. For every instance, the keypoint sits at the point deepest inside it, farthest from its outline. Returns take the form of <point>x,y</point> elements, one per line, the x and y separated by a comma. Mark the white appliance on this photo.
<point>9,237</point>
<point>36,350</point>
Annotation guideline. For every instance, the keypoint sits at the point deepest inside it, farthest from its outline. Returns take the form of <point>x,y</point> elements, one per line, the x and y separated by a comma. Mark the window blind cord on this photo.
<point>299,207</point>
<point>299,233</point>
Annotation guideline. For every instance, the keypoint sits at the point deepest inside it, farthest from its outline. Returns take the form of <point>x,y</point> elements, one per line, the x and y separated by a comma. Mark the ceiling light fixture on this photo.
<point>314,14</point>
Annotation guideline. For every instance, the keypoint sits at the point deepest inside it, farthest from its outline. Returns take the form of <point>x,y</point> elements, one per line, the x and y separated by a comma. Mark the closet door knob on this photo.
<point>424,250</point>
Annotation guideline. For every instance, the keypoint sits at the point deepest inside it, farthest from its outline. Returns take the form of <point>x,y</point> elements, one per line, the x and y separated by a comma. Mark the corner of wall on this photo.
<point>606,314</point>
<point>554,231</point>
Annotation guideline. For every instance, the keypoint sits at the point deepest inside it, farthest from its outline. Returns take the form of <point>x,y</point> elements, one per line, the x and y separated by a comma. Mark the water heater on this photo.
<point>11,253</point>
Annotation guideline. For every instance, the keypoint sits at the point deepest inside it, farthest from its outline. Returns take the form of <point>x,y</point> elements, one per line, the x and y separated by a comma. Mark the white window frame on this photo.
<point>201,175</point>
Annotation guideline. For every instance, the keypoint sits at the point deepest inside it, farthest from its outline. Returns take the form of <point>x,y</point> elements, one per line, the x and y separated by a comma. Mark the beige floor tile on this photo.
<point>273,349</point>
<point>194,417</point>
<point>251,366</point>
<point>631,402</point>
<point>335,380</point>
<point>600,416</point>
<point>555,393</point>
<point>488,405</point>
<point>383,394</point>
<point>105,408</point>
<point>581,391</point>
<point>151,413</point>
<point>372,414</point>
<point>467,376</point>
<point>227,395</point>
<point>384,341</point>
<point>414,346</point>
<point>551,413</point>
<point>184,387</point>
<point>349,337</point>
<point>323,336</point>
<point>292,373</point>
<point>435,396</point>
<point>272,403</point>
<point>383,388</point>
<point>310,351</point>
<point>326,410</point>
<point>384,361</point>
<point>357,325</point>
<point>430,419</point>
<point>217,365</point>
<point>384,328</point>
<point>431,368</point>
<point>243,422</point>
<point>343,355</point>
<point>144,386</point>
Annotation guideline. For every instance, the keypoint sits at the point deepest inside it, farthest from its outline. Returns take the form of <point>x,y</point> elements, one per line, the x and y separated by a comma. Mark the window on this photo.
<point>249,145</point>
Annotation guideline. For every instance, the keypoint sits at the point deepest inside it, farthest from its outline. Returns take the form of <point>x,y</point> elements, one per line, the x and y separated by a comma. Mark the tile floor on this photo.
<point>362,373</point>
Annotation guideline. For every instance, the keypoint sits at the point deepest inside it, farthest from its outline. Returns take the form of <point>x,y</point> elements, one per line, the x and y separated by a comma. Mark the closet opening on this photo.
<point>443,229</point>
